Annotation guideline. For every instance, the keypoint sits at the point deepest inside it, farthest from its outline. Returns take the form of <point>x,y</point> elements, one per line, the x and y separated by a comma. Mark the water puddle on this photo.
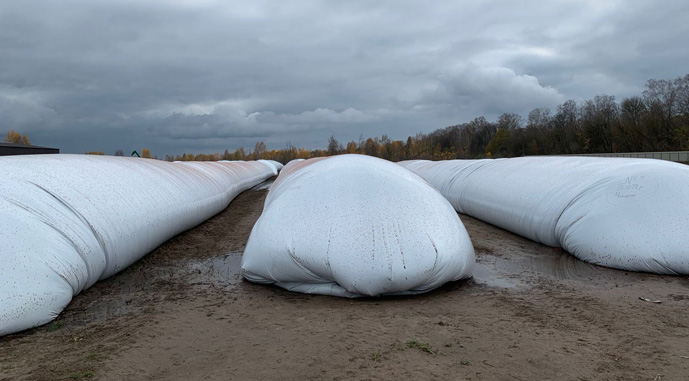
<point>141,288</point>
<point>519,270</point>
<point>486,274</point>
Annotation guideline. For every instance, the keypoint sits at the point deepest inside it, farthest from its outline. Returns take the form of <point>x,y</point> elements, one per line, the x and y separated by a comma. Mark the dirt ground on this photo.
<point>530,313</point>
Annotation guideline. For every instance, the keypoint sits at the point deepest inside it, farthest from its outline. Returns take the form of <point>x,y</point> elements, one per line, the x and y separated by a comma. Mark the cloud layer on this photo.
<point>202,76</point>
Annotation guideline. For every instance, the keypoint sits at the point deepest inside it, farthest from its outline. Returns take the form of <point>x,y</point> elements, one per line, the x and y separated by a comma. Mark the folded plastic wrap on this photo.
<point>278,166</point>
<point>354,225</point>
<point>630,214</point>
<point>67,221</point>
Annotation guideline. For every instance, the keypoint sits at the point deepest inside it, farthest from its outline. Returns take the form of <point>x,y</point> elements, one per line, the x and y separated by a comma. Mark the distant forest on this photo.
<point>656,120</point>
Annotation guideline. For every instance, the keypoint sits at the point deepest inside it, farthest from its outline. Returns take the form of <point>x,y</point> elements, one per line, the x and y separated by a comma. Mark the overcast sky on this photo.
<point>202,75</point>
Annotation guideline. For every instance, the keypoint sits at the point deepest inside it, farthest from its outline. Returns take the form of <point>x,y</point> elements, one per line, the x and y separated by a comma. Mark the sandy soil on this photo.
<point>531,312</point>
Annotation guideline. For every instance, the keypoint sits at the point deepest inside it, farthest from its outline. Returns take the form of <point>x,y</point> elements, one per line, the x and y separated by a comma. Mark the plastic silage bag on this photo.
<point>272,163</point>
<point>67,221</point>
<point>630,214</point>
<point>354,225</point>
<point>278,166</point>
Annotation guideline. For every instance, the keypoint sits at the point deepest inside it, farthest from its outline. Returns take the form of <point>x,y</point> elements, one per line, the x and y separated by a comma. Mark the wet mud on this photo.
<point>515,272</point>
<point>132,292</point>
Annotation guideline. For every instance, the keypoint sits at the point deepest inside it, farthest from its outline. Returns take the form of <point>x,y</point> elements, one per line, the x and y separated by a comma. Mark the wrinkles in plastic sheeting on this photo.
<point>67,221</point>
<point>353,225</point>
<point>278,166</point>
<point>629,214</point>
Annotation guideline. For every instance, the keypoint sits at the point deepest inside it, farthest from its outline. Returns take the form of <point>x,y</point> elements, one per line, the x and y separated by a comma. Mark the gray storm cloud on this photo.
<point>202,76</point>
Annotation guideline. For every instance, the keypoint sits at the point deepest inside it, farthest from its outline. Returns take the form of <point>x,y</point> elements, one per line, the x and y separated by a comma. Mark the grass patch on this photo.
<point>93,356</point>
<point>424,347</point>
<point>80,375</point>
<point>54,327</point>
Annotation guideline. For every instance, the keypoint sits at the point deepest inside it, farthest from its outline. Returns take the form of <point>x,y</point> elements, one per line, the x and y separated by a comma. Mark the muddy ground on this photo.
<point>530,313</point>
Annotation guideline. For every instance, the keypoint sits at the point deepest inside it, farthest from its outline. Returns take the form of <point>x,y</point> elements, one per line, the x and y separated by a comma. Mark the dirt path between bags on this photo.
<point>531,313</point>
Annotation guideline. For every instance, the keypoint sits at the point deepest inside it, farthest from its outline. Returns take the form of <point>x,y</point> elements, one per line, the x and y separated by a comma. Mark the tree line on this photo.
<point>656,120</point>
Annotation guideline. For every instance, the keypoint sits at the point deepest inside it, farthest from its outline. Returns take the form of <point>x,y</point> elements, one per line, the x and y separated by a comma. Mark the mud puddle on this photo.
<point>522,270</point>
<point>509,261</point>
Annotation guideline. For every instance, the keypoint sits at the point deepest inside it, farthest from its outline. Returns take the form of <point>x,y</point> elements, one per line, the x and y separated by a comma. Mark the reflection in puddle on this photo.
<point>485,273</point>
<point>137,289</point>
<point>515,272</point>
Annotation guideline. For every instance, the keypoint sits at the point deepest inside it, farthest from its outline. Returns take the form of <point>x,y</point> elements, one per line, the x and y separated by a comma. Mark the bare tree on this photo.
<point>682,85</point>
<point>483,132</point>
<point>259,150</point>
<point>631,134</point>
<point>598,116</point>
<point>566,130</point>
<point>538,132</point>
<point>334,147</point>
<point>661,97</point>
<point>510,121</point>
<point>289,153</point>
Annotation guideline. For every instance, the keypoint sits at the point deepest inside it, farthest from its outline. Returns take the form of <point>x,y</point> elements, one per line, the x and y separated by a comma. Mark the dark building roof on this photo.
<point>22,149</point>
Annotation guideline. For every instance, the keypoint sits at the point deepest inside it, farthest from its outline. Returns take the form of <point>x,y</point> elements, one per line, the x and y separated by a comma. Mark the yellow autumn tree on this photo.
<point>351,147</point>
<point>146,153</point>
<point>15,137</point>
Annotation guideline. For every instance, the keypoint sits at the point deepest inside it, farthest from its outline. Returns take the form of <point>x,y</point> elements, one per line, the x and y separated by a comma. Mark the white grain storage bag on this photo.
<point>630,214</point>
<point>67,221</point>
<point>354,225</point>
